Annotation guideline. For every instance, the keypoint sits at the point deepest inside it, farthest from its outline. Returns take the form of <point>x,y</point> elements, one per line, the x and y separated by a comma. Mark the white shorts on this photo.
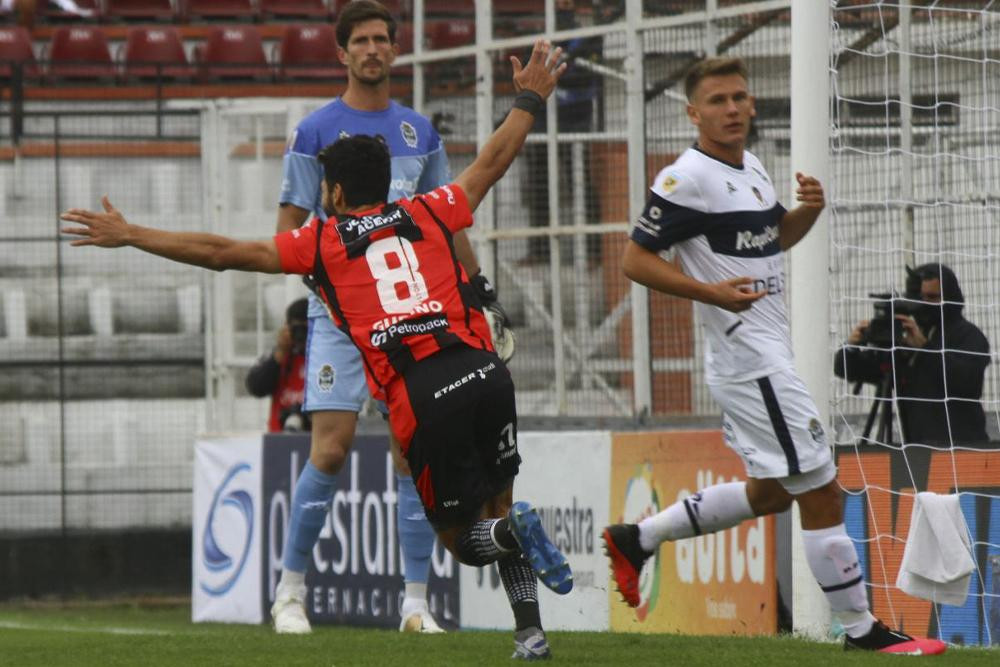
<point>773,424</point>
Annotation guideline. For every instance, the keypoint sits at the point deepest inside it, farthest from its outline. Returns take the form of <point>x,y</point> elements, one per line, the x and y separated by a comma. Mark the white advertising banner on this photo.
<point>566,477</point>
<point>226,530</point>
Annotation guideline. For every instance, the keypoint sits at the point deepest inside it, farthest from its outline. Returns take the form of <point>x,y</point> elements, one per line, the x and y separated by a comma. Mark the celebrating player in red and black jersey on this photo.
<point>389,275</point>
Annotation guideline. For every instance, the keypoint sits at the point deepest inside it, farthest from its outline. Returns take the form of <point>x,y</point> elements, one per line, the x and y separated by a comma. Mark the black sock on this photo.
<point>483,543</point>
<point>522,590</point>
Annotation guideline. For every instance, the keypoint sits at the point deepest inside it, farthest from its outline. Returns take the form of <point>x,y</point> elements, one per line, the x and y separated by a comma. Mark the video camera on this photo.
<point>884,330</point>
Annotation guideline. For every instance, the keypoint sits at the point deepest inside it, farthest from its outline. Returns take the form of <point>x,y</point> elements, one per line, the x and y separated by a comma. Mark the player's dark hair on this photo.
<point>359,11</point>
<point>297,310</point>
<point>713,67</point>
<point>360,164</point>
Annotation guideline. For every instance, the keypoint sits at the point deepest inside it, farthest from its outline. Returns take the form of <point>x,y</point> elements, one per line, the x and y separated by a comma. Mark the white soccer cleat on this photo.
<point>289,611</point>
<point>419,619</point>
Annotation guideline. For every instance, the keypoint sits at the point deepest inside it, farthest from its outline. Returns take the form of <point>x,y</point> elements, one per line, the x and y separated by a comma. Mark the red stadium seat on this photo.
<point>91,11</point>
<point>221,9</point>
<point>310,52</point>
<point>139,9</point>
<point>234,52</point>
<point>15,47</point>
<point>155,52</point>
<point>398,8</point>
<point>294,8</point>
<point>451,34</point>
<point>450,8</point>
<point>80,52</point>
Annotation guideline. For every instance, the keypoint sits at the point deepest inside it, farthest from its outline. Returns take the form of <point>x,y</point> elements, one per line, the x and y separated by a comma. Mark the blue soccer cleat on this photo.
<point>543,556</point>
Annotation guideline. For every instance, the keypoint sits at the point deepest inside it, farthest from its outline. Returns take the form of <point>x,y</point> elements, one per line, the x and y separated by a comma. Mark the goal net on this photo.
<point>915,154</point>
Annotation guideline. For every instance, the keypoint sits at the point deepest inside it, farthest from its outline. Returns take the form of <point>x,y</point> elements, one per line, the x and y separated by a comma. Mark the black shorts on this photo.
<point>464,448</point>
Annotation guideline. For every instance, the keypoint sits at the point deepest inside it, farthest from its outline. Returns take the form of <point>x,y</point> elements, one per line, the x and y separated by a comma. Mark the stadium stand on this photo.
<point>451,34</point>
<point>292,9</point>
<point>15,47</point>
<point>139,10</point>
<point>80,52</point>
<point>233,52</point>
<point>309,52</point>
<point>155,52</point>
<point>220,9</point>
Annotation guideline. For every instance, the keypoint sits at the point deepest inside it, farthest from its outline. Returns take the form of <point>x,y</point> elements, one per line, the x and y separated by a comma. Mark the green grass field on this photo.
<point>132,634</point>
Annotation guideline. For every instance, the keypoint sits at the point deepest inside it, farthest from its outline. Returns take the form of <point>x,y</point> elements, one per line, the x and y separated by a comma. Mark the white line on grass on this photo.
<point>15,625</point>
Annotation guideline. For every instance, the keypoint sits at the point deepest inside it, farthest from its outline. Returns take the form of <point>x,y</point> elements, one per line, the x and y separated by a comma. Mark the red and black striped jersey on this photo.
<point>392,281</point>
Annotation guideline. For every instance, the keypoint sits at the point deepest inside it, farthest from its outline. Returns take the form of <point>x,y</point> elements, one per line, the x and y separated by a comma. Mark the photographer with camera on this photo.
<point>929,354</point>
<point>281,373</point>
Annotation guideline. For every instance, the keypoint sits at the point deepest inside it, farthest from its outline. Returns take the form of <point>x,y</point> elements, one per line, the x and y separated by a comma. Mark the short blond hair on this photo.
<point>713,67</point>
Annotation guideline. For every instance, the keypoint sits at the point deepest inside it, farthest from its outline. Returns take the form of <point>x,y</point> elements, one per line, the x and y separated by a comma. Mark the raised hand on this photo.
<point>810,191</point>
<point>734,296</point>
<point>107,230</point>
<point>542,71</point>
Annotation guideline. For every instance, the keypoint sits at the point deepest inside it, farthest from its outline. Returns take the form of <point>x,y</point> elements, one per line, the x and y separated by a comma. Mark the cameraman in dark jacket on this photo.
<point>281,373</point>
<point>937,393</point>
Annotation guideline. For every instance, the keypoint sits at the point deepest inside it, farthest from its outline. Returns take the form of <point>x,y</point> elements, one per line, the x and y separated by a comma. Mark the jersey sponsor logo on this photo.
<point>413,327</point>
<point>326,378</point>
<point>352,229</point>
<point>747,240</point>
<point>479,373</point>
<point>406,186</point>
<point>425,308</point>
<point>409,134</point>
<point>774,284</point>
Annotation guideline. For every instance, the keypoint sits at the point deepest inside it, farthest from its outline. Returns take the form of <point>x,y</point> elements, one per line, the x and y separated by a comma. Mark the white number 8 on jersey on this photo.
<point>404,271</point>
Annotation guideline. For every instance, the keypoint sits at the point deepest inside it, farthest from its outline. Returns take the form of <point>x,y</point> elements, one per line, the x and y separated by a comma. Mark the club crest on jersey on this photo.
<point>816,431</point>
<point>409,134</point>
<point>669,183</point>
<point>759,196</point>
<point>326,378</point>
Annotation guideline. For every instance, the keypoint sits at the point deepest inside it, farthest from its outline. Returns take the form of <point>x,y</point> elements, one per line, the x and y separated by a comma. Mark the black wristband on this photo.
<point>530,101</point>
<point>484,290</point>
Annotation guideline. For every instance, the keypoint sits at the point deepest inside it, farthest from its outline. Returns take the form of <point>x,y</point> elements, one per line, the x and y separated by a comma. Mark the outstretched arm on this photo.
<point>539,76</point>
<point>648,268</point>
<point>796,223</point>
<point>110,229</point>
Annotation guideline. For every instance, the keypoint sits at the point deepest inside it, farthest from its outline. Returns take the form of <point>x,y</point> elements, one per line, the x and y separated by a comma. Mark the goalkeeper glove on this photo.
<point>502,334</point>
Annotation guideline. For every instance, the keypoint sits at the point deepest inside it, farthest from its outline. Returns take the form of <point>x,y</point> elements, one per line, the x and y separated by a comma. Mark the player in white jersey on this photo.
<point>716,205</point>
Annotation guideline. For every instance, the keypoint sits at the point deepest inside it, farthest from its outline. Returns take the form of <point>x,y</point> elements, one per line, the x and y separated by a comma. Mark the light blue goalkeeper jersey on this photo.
<point>419,161</point>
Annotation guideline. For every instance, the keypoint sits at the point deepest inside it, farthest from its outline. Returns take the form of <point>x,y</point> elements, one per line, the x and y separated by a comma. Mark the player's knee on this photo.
<point>328,455</point>
<point>466,553</point>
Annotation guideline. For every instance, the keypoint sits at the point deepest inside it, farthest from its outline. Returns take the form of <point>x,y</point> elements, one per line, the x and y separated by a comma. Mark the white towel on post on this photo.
<point>937,562</point>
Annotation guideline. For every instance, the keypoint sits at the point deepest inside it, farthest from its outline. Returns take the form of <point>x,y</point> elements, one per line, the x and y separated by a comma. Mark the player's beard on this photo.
<point>371,80</point>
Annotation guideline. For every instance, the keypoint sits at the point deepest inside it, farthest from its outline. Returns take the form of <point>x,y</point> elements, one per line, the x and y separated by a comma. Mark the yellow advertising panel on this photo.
<point>716,584</point>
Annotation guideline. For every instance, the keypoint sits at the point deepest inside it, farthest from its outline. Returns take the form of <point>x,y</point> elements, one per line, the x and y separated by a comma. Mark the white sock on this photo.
<point>415,591</point>
<point>290,578</point>
<point>834,562</point>
<point>712,509</point>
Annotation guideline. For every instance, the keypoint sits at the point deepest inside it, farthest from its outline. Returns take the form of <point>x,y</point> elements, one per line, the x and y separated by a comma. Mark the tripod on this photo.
<point>881,408</point>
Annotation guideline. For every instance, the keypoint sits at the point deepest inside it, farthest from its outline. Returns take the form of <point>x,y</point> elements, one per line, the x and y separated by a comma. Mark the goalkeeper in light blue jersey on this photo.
<point>335,383</point>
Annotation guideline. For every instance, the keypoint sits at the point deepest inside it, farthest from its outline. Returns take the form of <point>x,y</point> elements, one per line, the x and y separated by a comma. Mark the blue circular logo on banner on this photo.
<point>217,554</point>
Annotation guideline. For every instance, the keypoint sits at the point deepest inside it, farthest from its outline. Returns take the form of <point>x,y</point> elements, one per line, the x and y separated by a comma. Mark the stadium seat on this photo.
<point>220,9</point>
<point>294,8</point>
<point>50,11</point>
<point>310,52</point>
<point>450,8</point>
<point>152,52</point>
<point>234,52</point>
<point>139,9</point>
<point>398,8</point>
<point>15,47</point>
<point>80,52</point>
<point>450,34</point>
